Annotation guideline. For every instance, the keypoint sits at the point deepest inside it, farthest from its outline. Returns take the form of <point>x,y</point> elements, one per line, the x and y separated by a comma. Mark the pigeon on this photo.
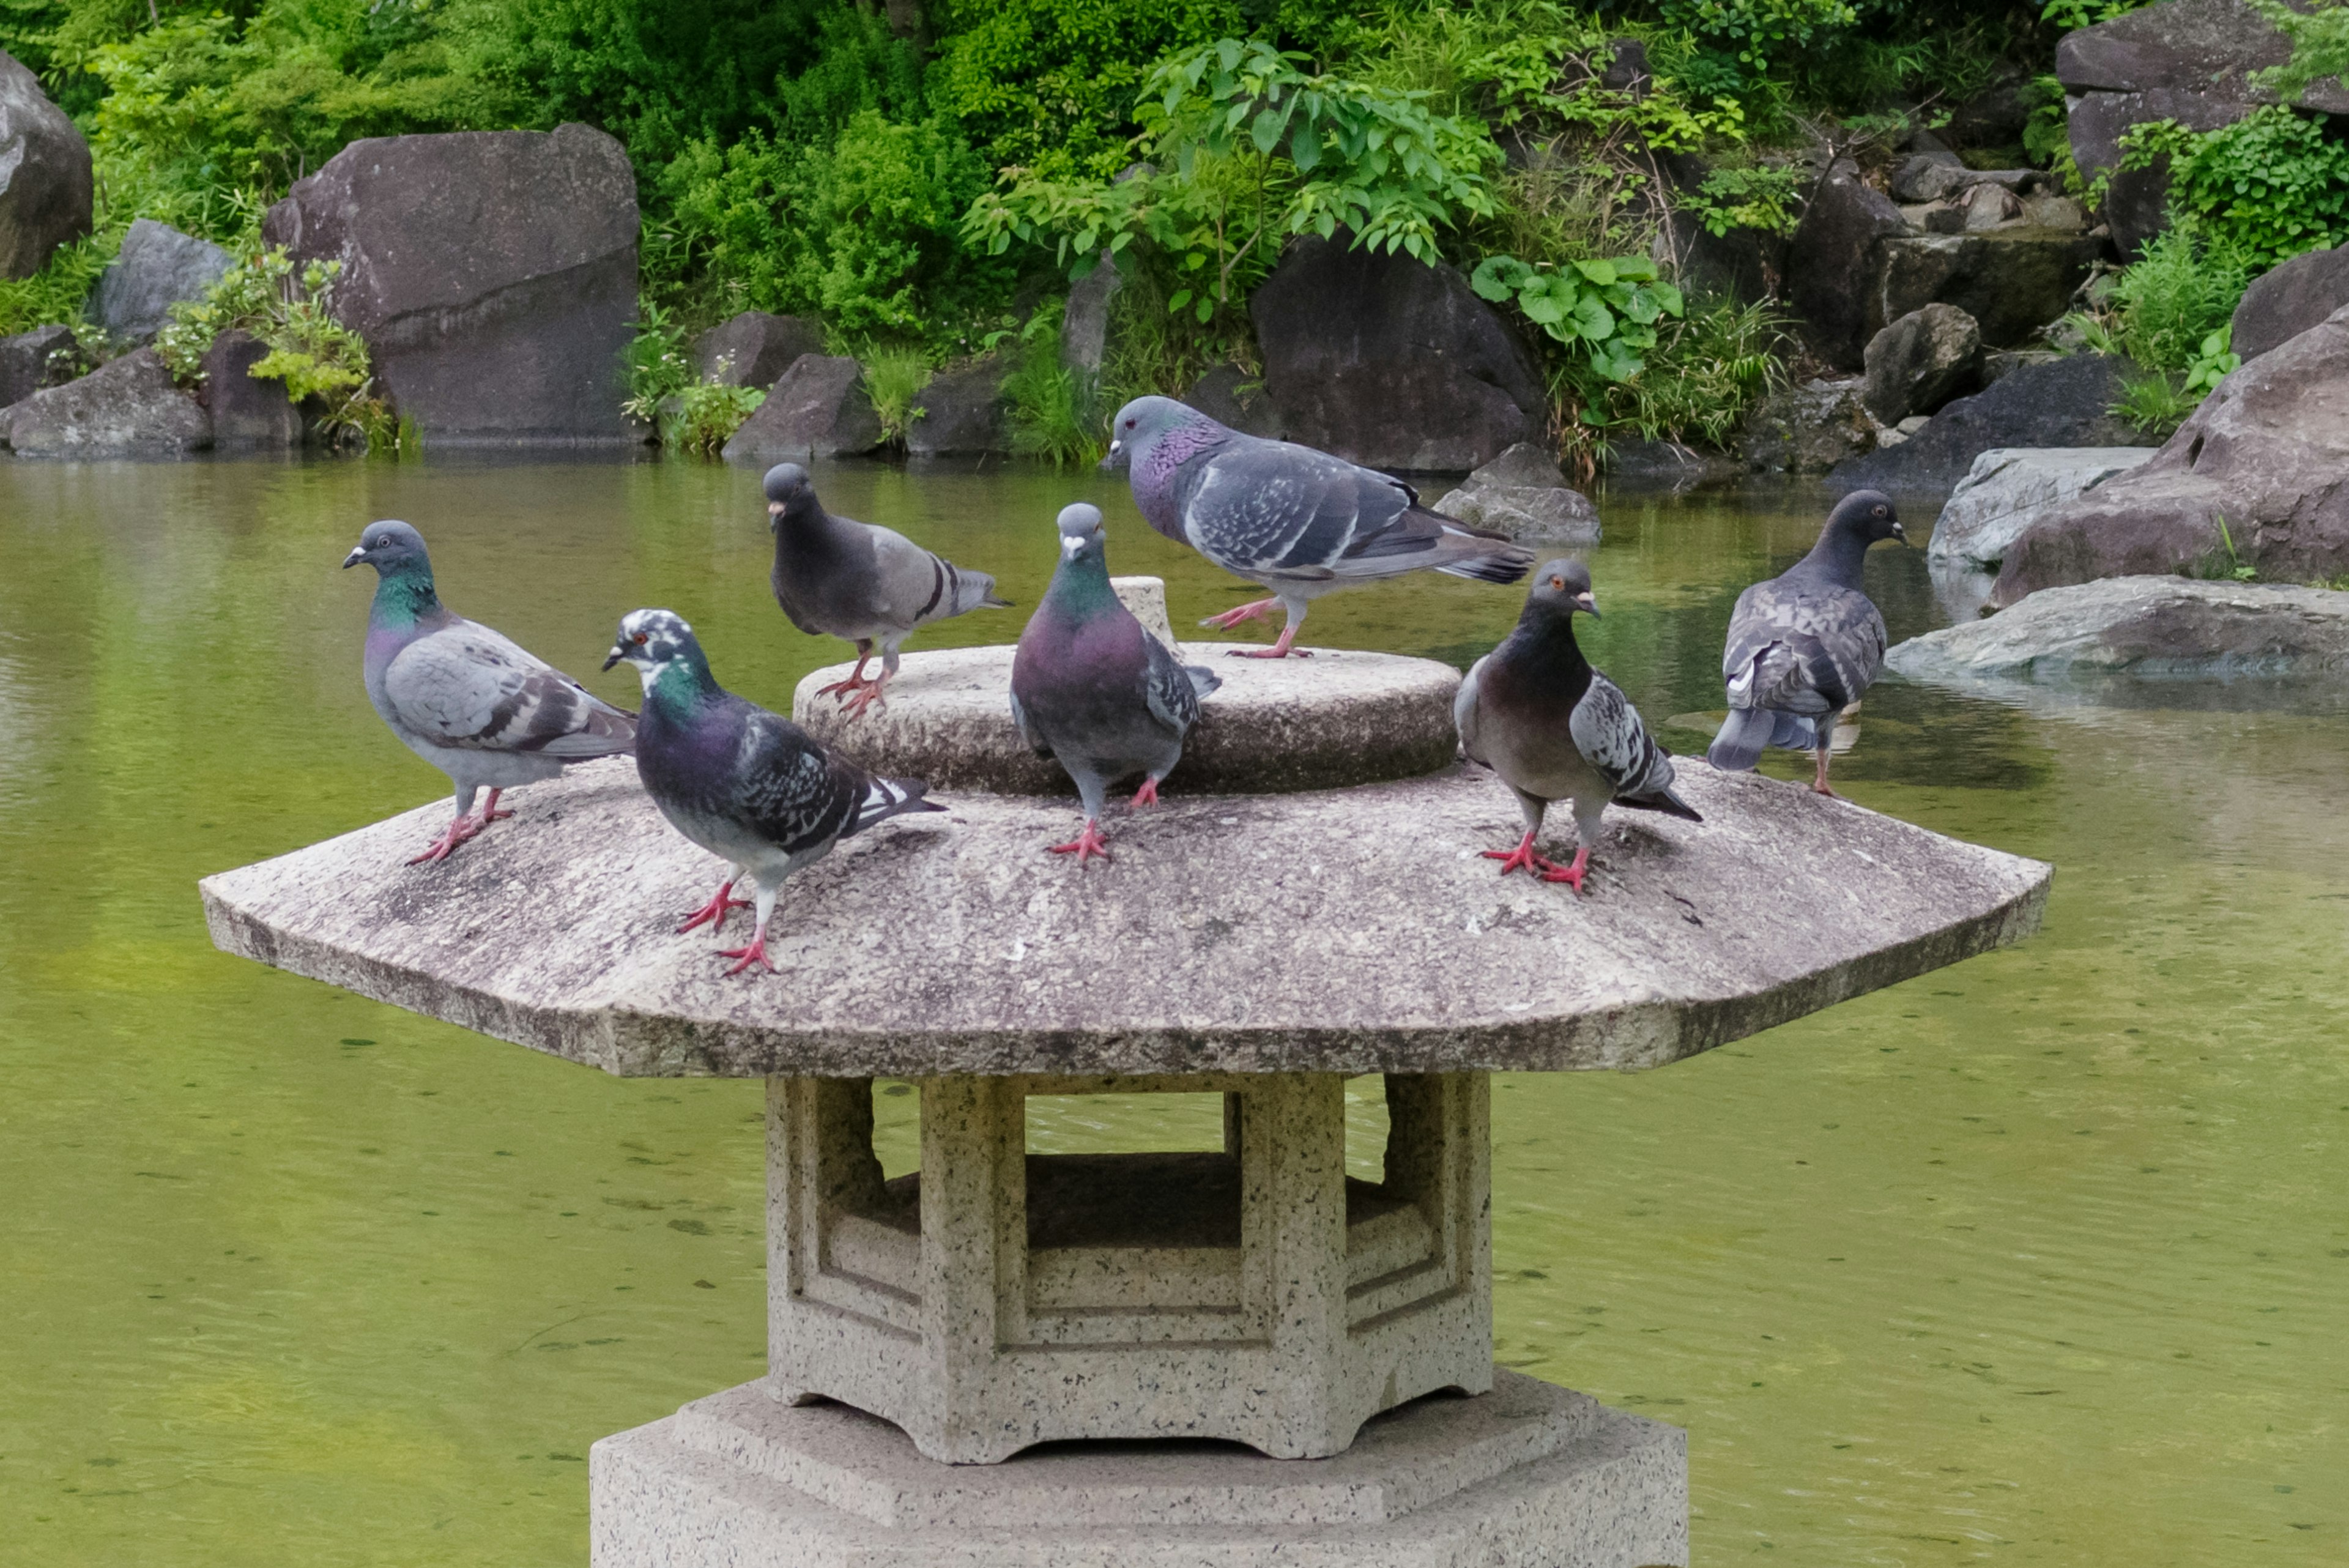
<point>750,786</point>
<point>465,699</point>
<point>836,575</point>
<point>1535,712</point>
<point>1091,688</point>
<point>1299,521</point>
<point>1806,644</point>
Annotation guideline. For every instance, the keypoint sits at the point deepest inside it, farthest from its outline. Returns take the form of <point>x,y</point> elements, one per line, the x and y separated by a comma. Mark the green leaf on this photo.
<point>1599,272</point>
<point>1542,308</point>
<point>1182,297</point>
<point>1670,298</point>
<point>1642,306</point>
<point>1593,319</point>
<point>1206,308</point>
<point>1492,278</point>
<point>1305,148</point>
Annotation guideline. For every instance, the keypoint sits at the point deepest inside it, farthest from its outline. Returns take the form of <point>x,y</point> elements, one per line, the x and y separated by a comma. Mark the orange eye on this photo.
<point>641,639</point>
<point>1558,582</point>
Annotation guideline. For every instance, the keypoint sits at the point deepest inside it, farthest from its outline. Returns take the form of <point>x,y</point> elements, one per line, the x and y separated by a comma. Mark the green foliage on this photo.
<point>1051,417</point>
<point>2213,362</point>
<point>658,368</point>
<point>311,354</point>
<point>1604,311</point>
<point>2154,402</point>
<point>1741,40</point>
<point>1767,198</point>
<point>2274,183</point>
<point>894,378</point>
<point>2320,47</point>
<point>704,416</point>
<point>2235,568</point>
<point>2181,289</point>
<point>1706,371</point>
<point>2070,15</point>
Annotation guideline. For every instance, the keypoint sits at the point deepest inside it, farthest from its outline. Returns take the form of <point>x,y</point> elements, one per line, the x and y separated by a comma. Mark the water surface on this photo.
<point>2038,1260</point>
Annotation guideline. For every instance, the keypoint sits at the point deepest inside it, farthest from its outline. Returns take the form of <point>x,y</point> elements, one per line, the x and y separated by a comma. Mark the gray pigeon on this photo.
<point>1804,645</point>
<point>1535,712</point>
<point>837,577</point>
<point>1297,521</point>
<point>750,786</point>
<point>1091,688</point>
<point>463,698</point>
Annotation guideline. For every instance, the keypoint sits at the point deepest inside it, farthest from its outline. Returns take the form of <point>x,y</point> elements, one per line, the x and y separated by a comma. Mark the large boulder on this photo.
<point>2013,280</point>
<point>1231,395</point>
<point>2268,452</point>
<point>127,408</point>
<point>1084,319</point>
<point>2007,490</point>
<point>1833,263</point>
<point>2141,626</point>
<point>30,361</point>
<point>819,409</point>
<point>2288,300</point>
<point>1392,363</point>
<point>962,414</point>
<point>1666,464</point>
<point>1808,429</point>
<point>493,274</point>
<point>157,268</point>
<point>2065,402</point>
<point>1920,361</point>
<point>754,348</point>
<point>1524,493</point>
<point>44,179</point>
<point>246,414</point>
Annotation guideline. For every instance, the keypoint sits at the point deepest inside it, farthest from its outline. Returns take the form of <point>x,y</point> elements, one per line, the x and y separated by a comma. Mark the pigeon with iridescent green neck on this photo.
<point>463,698</point>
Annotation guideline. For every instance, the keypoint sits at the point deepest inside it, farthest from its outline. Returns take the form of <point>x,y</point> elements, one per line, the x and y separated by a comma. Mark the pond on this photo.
<point>2040,1259</point>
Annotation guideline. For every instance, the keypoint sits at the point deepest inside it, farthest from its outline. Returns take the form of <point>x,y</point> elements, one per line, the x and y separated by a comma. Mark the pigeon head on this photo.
<point>1868,515</point>
<point>788,490</point>
<point>659,642</point>
<point>1561,587</point>
<point>1140,425</point>
<point>1082,538</point>
<point>393,549</point>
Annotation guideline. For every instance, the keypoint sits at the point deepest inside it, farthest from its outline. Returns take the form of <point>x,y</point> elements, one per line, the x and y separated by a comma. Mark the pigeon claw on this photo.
<point>1569,875</point>
<point>713,913</point>
<point>460,829</point>
<point>754,954</point>
<point>1148,794</point>
<point>1524,858</point>
<point>864,695</point>
<point>1232,617</point>
<point>1084,845</point>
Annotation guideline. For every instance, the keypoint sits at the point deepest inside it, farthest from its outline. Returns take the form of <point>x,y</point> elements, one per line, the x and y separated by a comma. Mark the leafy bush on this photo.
<point>1605,311</point>
<point>705,416</point>
<point>658,366</point>
<point>310,355</point>
<point>1051,417</point>
<point>1707,369</point>
<point>2181,289</point>
<point>2320,45</point>
<point>894,378</point>
<point>2274,183</point>
<point>1741,40</point>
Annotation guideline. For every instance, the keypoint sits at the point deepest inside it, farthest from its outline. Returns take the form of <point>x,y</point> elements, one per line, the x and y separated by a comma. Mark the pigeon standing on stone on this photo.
<point>1300,522</point>
<point>1804,645</point>
<point>750,786</point>
<point>465,699</point>
<point>1536,713</point>
<point>1091,688</point>
<point>856,580</point>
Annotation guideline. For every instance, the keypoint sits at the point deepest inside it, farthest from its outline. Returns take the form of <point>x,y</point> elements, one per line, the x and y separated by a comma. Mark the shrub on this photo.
<point>310,355</point>
<point>1052,417</point>
<point>1707,369</point>
<point>705,416</point>
<point>894,378</point>
<point>2181,288</point>
<point>2274,183</point>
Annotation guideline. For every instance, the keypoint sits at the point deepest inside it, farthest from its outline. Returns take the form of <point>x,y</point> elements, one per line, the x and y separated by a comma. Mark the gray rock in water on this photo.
<point>158,268</point>
<point>2267,453</point>
<point>493,274</point>
<point>129,408</point>
<point>2283,303</point>
<point>45,176</point>
<point>246,414</point>
<point>2008,488</point>
<point>819,409</point>
<point>964,412</point>
<point>2012,281</point>
<point>1809,429</point>
<point>1833,262</point>
<point>1921,361</point>
<point>754,348</point>
<point>1230,396</point>
<point>1524,493</point>
<point>1386,361</point>
<point>2141,626</point>
<point>2066,402</point>
<point>29,363</point>
<point>1666,463</point>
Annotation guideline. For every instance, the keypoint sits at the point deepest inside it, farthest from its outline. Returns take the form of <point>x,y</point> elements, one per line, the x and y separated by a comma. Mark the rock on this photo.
<point>45,177</point>
<point>754,348</point>
<point>1084,319</point>
<point>493,274</point>
<point>127,408</point>
<point>1920,362</point>
<point>1391,363</point>
<point>1743,264</point>
<point>2000,363</point>
<point>1927,176</point>
<point>1522,493</point>
<point>2141,626</point>
<point>1231,395</point>
<point>1833,262</point>
<point>2066,402</point>
<point>28,361</point>
<point>2058,213</point>
<point>247,414</point>
<point>1993,118</point>
<point>2287,301</point>
<point>963,413</point>
<point>1808,429</point>
<point>819,409</point>
<point>2012,281</point>
<point>1642,464</point>
<point>1628,69</point>
<point>1936,218</point>
<point>158,268</point>
<point>2136,200</point>
<point>2268,451</point>
<point>2008,488</point>
<point>1988,206</point>
<point>1146,597</point>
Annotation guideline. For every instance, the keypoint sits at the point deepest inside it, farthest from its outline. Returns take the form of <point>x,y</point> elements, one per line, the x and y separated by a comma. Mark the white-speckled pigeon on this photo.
<point>1300,522</point>
<point>1804,645</point>
<point>837,577</point>
<point>1536,713</point>
<point>463,698</point>
<point>750,786</point>
<point>1091,688</point>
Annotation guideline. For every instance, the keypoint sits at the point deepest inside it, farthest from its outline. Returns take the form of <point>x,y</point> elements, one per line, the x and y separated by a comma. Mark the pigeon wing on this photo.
<point>1027,731</point>
<point>1464,712</point>
<point>1168,688</point>
<point>1606,731</point>
<point>914,587</point>
<point>470,688</point>
<point>1262,506</point>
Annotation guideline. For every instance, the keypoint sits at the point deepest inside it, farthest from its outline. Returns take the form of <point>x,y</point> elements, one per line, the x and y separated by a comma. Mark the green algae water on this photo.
<point>2039,1260</point>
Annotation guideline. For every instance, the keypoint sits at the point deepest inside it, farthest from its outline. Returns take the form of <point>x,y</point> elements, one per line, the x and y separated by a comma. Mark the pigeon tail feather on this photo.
<point>1203,679</point>
<point>885,798</point>
<point>1662,800</point>
<point>1747,732</point>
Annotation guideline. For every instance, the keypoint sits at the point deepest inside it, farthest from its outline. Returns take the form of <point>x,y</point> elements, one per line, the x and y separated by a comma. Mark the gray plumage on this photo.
<point>838,578</point>
<point>1805,645</point>
<point>464,697</point>
<point>1553,728</point>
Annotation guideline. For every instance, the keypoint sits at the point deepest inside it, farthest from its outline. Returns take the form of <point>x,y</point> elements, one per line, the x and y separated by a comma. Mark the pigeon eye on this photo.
<point>1558,582</point>
<point>1129,424</point>
<point>640,639</point>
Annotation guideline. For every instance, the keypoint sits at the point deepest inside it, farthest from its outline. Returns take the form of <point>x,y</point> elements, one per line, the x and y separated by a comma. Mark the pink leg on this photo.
<point>1084,845</point>
<point>1277,650</point>
<point>460,829</point>
<point>1232,617</point>
<point>1148,794</point>
<point>713,913</point>
<point>754,954</point>
<point>1820,781</point>
<point>855,684</point>
<point>490,812</point>
<point>1569,875</point>
<point>873,690</point>
<point>1522,857</point>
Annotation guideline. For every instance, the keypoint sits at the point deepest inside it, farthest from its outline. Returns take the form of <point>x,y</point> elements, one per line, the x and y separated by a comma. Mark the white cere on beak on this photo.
<point>1070,544</point>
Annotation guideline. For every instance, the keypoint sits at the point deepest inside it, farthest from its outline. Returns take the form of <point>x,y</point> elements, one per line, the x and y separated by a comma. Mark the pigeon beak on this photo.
<point>358,554</point>
<point>1899,533</point>
<point>1585,604</point>
<point>618,654</point>
<point>1116,462</point>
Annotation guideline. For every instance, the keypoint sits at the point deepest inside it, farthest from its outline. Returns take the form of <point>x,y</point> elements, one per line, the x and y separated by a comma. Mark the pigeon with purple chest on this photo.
<point>750,786</point>
<point>465,699</point>
<point>1090,688</point>
<point>1299,521</point>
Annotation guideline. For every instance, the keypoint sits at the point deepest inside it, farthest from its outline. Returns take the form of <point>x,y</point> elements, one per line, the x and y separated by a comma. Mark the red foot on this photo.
<point>866,695</point>
<point>1084,845</point>
<point>755,954</point>
<point>1281,649</point>
<point>856,689</point>
<point>490,812</point>
<point>1569,875</point>
<point>1148,794</point>
<point>713,913</point>
<point>460,828</point>
<point>1232,617</point>
<point>1522,857</point>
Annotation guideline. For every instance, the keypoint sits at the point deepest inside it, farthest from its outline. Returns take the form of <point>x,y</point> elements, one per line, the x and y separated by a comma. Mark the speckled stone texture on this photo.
<point>1339,718</point>
<point>1528,1475</point>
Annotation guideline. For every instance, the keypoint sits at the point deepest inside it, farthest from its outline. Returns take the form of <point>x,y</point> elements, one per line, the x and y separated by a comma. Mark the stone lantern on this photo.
<point>1012,1359</point>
